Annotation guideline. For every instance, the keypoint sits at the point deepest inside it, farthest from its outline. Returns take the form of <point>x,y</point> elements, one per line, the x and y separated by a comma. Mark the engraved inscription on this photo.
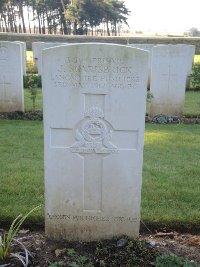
<point>97,72</point>
<point>93,134</point>
<point>90,218</point>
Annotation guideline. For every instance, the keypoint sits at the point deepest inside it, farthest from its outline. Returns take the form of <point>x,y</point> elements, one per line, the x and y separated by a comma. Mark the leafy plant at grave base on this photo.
<point>195,76</point>
<point>57,264</point>
<point>161,119</point>
<point>132,252</point>
<point>78,260</point>
<point>8,239</point>
<point>32,82</point>
<point>172,260</point>
<point>19,115</point>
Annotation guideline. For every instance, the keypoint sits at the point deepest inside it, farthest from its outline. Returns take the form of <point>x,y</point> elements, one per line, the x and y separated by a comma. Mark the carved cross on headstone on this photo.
<point>169,75</point>
<point>94,140</point>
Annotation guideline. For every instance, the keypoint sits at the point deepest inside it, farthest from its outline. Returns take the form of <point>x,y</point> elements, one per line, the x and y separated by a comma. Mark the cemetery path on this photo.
<point>112,252</point>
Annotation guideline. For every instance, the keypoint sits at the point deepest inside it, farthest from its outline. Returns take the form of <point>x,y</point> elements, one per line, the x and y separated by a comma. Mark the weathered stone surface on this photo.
<point>23,48</point>
<point>11,77</point>
<point>170,67</point>
<point>94,113</point>
<point>147,47</point>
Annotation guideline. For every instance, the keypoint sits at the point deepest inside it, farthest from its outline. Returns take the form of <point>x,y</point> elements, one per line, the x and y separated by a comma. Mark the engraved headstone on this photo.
<point>11,77</point>
<point>169,70</point>
<point>94,117</point>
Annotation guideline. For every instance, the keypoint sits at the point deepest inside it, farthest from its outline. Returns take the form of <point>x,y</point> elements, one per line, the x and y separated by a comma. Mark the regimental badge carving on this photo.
<point>3,53</point>
<point>93,134</point>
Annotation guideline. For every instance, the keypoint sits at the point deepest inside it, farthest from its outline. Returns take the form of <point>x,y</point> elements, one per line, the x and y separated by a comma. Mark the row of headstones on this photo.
<point>169,68</point>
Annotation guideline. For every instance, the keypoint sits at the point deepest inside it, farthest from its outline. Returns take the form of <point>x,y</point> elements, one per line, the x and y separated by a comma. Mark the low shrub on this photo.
<point>172,260</point>
<point>32,81</point>
<point>19,115</point>
<point>195,77</point>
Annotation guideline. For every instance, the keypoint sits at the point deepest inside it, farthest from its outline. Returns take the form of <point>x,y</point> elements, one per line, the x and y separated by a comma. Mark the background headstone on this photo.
<point>23,47</point>
<point>94,117</point>
<point>11,77</point>
<point>169,70</point>
<point>37,48</point>
<point>147,47</point>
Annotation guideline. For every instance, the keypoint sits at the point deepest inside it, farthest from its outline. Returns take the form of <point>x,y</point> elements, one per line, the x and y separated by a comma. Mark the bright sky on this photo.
<point>163,15</point>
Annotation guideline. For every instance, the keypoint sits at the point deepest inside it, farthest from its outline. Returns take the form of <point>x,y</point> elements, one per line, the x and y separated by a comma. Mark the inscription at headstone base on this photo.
<point>94,110</point>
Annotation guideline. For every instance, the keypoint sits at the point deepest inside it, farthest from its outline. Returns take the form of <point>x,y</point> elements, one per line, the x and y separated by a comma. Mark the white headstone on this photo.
<point>169,72</point>
<point>37,48</point>
<point>23,45</point>
<point>147,47</point>
<point>11,77</point>
<point>94,117</point>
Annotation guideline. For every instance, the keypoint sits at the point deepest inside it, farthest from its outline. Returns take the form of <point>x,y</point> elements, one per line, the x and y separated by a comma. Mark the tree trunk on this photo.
<point>5,22</point>
<point>107,27</point>
<point>48,22</point>
<point>115,28</point>
<point>64,23</point>
<point>29,25</point>
<point>22,16</point>
<point>39,22</point>
<point>43,22</point>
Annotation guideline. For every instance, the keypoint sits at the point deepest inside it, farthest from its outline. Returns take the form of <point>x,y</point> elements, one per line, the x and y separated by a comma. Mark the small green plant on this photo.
<point>32,82</point>
<point>7,240</point>
<point>100,249</point>
<point>56,264</point>
<point>172,260</point>
<point>78,260</point>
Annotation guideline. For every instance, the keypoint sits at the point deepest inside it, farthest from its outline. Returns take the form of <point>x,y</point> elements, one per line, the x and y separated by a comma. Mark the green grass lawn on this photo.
<point>171,176</point>
<point>191,106</point>
<point>21,165</point>
<point>192,103</point>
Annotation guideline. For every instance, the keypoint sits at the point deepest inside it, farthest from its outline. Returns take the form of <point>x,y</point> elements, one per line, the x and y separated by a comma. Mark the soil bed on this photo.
<point>118,252</point>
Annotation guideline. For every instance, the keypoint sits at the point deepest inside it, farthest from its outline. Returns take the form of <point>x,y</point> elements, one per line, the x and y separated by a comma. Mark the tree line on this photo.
<point>98,17</point>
